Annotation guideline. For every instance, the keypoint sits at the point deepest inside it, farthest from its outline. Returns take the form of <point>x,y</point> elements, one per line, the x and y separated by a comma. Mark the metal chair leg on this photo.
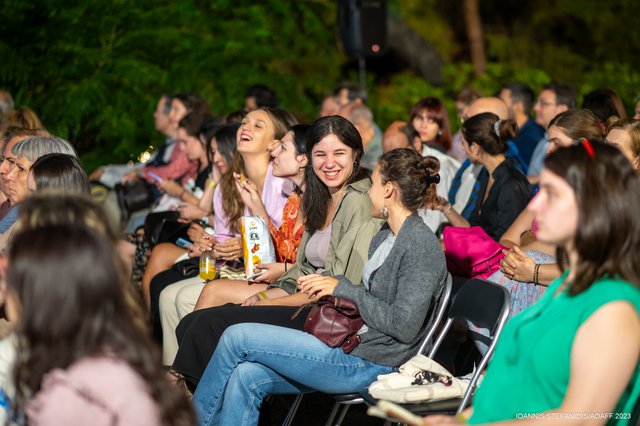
<point>332,416</point>
<point>342,415</point>
<point>292,411</point>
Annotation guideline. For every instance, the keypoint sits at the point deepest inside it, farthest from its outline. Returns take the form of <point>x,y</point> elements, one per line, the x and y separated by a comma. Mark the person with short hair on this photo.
<point>362,118</point>
<point>519,100</point>
<point>465,97</point>
<point>19,156</point>
<point>553,99</point>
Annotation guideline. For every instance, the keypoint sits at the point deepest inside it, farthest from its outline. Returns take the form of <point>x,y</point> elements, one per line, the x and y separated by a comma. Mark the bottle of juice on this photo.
<point>207,266</point>
<point>207,261</point>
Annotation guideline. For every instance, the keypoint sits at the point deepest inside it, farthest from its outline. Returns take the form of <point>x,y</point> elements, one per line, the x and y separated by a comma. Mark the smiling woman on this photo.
<point>338,230</point>
<point>260,130</point>
<point>395,294</point>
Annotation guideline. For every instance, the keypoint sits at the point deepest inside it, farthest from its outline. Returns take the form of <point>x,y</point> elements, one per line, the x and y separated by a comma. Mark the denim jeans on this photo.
<point>255,360</point>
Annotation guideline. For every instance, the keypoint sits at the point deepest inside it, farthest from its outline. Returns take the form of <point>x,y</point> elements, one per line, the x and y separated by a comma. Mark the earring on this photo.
<point>301,170</point>
<point>384,211</point>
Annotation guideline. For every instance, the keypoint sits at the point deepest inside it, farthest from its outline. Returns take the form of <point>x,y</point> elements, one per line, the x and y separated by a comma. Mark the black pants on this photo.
<point>184,269</point>
<point>199,332</point>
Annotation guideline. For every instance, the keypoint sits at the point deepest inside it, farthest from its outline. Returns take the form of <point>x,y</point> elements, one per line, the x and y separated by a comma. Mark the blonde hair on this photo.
<point>629,125</point>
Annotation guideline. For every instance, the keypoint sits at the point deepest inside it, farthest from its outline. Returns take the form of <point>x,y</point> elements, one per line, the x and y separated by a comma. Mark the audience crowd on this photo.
<point>542,195</point>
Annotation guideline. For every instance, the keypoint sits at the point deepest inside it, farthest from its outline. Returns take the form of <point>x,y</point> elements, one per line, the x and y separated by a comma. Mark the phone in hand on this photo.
<point>182,243</point>
<point>154,176</point>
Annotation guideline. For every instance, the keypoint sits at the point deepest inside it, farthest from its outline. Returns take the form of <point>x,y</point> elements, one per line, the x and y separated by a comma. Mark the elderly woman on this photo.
<point>18,158</point>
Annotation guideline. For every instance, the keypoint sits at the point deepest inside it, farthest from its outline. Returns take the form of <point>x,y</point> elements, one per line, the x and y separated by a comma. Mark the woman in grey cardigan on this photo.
<point>401,284</point>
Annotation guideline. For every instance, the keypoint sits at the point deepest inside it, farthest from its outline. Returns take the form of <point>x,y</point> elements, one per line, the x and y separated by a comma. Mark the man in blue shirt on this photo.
<point>519,100</point>
<point>552,100</point>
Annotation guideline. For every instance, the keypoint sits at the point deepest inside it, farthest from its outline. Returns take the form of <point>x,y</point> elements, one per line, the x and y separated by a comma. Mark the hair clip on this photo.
<point>432,179</point>
<point>496,127</point>
<point>588,147</point>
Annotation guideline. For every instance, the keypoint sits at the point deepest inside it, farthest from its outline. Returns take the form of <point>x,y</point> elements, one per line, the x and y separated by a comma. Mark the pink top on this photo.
<point>179,166</point>
<point>274,196</point>
<point>94,391</point>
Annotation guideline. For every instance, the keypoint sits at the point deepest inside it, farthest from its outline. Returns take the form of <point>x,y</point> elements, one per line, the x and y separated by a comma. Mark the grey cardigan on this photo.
<point>405,289</point>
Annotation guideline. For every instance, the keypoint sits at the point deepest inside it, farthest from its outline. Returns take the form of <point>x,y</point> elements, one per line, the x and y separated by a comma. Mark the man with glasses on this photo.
<point>552,100</point>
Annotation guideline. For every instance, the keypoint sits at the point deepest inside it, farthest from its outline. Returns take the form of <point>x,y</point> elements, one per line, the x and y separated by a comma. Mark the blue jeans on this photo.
<point>255,360</point>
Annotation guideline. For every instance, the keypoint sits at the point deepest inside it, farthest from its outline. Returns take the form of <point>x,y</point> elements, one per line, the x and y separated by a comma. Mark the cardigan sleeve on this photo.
<point>414,279</point>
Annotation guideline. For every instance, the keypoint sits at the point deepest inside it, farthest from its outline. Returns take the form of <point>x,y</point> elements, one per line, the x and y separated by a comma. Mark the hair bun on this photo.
<point>432,178</point>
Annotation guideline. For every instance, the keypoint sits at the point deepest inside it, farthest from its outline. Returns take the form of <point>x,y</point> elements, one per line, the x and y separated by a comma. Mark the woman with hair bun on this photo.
<point>401,283</point>
<point>506,192</point>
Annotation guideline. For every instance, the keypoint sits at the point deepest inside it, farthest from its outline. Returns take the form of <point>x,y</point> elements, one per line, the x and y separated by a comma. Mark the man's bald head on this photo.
<point>395,136</point>
<point>492,104</point>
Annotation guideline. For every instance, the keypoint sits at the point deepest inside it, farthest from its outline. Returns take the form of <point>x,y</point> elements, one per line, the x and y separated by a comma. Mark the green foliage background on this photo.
<point>93,70</point>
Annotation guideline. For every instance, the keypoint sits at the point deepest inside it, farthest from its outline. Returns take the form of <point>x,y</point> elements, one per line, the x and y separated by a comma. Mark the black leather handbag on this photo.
<point>133,196</point>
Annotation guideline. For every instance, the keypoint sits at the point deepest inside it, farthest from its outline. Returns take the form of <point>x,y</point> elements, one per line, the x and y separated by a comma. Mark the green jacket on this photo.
<point>352,229</point>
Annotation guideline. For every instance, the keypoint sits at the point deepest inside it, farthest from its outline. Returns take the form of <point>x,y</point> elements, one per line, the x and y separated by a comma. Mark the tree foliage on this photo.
<point>94,70</point>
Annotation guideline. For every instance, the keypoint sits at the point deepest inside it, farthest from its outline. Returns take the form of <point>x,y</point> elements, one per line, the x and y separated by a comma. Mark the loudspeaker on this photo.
<point>363,26</point>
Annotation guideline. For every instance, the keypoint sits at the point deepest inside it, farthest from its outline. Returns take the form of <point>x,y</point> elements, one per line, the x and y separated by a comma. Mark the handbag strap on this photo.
<point>297,312</point>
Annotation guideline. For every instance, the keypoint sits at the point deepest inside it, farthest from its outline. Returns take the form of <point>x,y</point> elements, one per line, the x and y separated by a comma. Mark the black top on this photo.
<point>201,178</point>
<point>508,196</point>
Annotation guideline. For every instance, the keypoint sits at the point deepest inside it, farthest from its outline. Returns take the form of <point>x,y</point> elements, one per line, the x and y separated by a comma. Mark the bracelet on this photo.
<point>536,271</point>
<point>448,210</point>
<point>285,266</point>
<point>262,295</point>
<point>212,185</point>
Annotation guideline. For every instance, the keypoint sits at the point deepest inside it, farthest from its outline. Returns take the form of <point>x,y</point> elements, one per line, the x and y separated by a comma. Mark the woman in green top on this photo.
<point>572,358</point>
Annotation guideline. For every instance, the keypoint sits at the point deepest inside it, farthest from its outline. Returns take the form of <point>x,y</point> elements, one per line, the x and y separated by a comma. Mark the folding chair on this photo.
<point>343,402</point>
<point>485,305</point>
<point>347,400</point>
